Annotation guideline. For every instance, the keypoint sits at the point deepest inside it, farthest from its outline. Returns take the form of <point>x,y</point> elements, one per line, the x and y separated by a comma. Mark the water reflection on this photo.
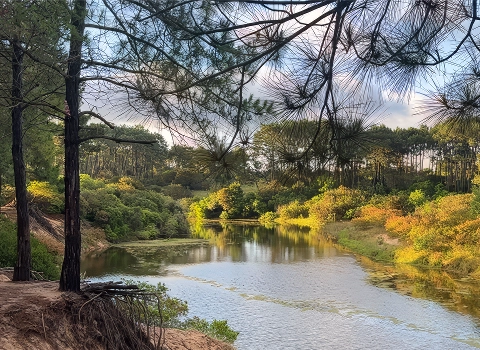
<point>287,288</point>
<point>281,245</point>
<point>458,294</point>
<point>236,243</point>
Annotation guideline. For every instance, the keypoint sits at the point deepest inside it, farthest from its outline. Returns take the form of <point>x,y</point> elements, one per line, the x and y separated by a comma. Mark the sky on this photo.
<point>401,114</point>
<point>393,114</point>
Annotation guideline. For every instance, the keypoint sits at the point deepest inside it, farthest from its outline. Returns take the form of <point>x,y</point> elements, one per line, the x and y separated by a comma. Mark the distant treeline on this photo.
<point>374,158</point>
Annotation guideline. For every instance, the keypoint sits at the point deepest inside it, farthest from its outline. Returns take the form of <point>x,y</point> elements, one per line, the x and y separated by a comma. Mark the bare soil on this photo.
<point>33,316</point>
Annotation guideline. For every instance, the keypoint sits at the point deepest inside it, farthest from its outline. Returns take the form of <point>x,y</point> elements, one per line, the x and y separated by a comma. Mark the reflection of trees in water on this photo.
<point>143,260</point>
<point>458,294</point>
<point>279,244</point>
<point>108,261</point>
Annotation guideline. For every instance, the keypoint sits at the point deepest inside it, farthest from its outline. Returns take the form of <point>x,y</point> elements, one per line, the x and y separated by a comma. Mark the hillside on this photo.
<point>48,228</point>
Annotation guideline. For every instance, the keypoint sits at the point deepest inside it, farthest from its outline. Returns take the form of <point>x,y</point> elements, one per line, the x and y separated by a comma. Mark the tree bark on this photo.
<point>24,258</point>
<point>70,277</point>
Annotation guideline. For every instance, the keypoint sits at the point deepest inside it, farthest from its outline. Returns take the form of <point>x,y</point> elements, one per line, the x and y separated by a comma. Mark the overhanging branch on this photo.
<point>98,116</point>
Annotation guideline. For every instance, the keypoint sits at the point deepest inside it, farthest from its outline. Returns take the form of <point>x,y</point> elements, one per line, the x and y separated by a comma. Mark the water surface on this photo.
<point>286,288</point>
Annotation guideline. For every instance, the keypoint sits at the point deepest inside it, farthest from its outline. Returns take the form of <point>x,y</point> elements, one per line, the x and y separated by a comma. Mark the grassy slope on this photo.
<point>371,241</point>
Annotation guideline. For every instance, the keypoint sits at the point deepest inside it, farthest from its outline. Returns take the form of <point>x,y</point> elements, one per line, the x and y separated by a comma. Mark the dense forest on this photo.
<point>386,160</point>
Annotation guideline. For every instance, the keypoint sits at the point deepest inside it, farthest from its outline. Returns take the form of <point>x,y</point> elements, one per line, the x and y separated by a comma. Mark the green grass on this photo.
<point>245,188</point>
<point>368,242</point>
<point>374,250</point>
<point>302,222</point>
<point>200,193</point>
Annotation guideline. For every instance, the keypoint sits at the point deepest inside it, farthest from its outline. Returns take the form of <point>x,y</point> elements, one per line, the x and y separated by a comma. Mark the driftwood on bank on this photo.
<point>112,288</point>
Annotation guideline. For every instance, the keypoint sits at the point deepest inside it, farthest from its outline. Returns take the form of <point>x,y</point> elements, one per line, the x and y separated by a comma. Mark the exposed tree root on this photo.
<point>115,315</point>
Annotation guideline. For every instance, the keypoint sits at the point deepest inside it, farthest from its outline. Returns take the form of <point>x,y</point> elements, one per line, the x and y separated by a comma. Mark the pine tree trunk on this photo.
<point>24,258</point>
<point>70,277</point>
<point>1,184</point>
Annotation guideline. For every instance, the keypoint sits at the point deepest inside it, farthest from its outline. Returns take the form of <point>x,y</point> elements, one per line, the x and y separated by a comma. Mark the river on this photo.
<point>287,288</point>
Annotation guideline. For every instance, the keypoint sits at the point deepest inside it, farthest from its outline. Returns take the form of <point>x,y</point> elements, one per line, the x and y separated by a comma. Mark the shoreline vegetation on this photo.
<point>440,234</point>
<point>426,226</point>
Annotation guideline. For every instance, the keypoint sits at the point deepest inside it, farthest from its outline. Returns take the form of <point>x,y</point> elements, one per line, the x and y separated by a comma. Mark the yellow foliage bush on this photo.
<point>443,233</point>
<point>468,233</point>
<point>454,210</point>
<point>372,215</point>
<point>125,184</point>
<point>46,196</point>
<point>400,225</point>
<point>409,255</point>
<point>462,260</point>
<point>447,211</point>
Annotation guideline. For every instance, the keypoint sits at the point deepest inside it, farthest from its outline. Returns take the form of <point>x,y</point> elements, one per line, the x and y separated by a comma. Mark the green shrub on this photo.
<point>8,242</point>
<point>231,200</point>
<point>45,261</point>
<point>124,211</point>
<point>426,187</point>
<point>273,194</point>
<point>293,210</point>
<point>216,329</point>
<point>335,204</point>
<point>227,203</point>
<point>171,309</point>
<point>177,191</point>
<point>93,201</point>
<point>87,183</point>
<point>138,199</point>
<point>42,260</point>
<point>417,198</point>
